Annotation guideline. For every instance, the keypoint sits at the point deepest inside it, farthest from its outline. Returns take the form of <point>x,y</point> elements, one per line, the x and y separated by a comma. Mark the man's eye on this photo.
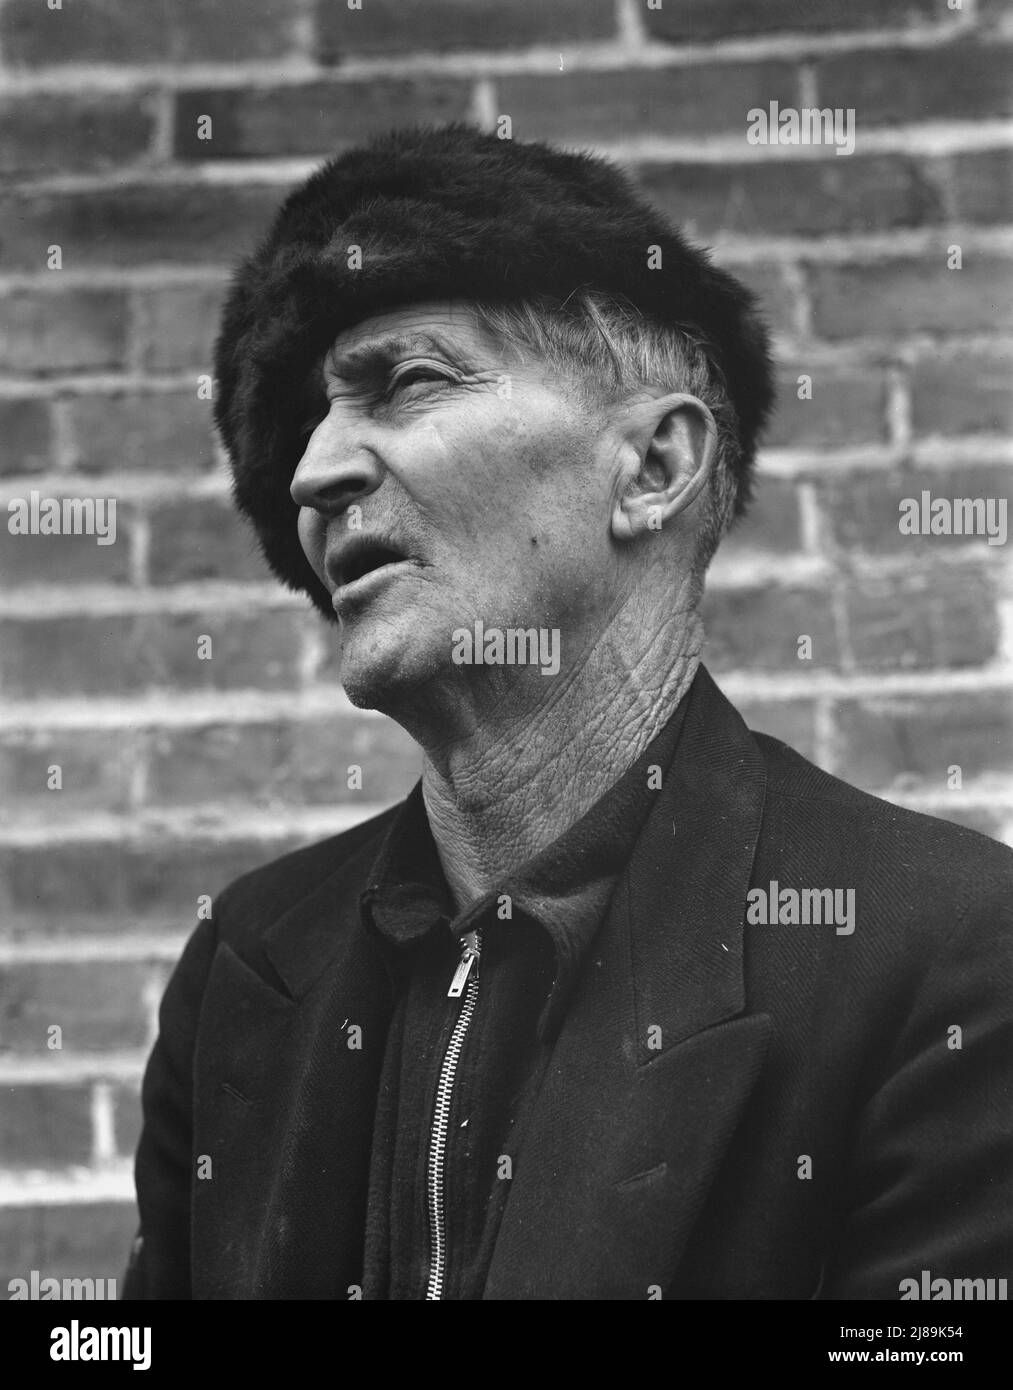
<point>412,373</point>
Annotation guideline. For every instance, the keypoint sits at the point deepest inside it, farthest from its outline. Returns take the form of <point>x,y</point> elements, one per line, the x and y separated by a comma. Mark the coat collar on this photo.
<point>311,935</point>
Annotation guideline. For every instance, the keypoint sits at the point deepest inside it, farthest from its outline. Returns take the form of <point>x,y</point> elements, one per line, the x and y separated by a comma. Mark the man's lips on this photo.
<point>366,581</point>
<point>356,558</point>
<point>347,598</point>
<point>358,566</point>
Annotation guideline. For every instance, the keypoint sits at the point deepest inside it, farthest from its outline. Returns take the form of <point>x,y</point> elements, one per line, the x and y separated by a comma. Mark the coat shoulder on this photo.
<point>925,851</point>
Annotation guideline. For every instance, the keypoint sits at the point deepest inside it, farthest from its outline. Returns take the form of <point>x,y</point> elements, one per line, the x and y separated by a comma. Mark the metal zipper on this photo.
<point>465,978</point>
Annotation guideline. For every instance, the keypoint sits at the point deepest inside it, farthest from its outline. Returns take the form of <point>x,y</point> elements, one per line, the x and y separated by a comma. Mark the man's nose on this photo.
<point>334,471</point>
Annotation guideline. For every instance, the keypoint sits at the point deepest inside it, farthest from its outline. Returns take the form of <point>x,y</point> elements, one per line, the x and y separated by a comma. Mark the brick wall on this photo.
<point>179,773</point>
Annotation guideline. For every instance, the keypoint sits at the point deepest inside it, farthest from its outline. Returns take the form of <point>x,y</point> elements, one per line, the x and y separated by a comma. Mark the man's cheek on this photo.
<point>427,433</point>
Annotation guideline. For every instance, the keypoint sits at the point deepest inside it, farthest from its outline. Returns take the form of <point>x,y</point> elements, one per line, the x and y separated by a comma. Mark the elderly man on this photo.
<point>623,1001</point>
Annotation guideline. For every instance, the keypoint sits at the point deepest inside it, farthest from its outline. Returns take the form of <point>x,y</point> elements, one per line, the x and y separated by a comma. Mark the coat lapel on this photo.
<point>656,1059</point>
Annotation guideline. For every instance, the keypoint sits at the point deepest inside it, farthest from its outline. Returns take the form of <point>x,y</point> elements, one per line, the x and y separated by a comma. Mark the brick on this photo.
<point>705,99</point>
<point>73,135</point>
<point>220,764</point>
<point>303,763</point>
<point>847,406</point>
<point>895,298</point>
<point>57,331</point>
<point>908,741</point>
<point>63,559</point>
<point>102,556</point>
<point>135,225</point>
<point>159,878</point>
<point>164,431</point>
<point>818,196</point>
<point>692,20</point>
<point>958,81</point>
<point>792,721</point>
<point>26,436</point>
<point>777,294</point>
<point>385,27</point>
<point>863,514</point>
<point>174,327</point>
<point>260,651</point>
<point>71,922</point>
<point>98,1006</point>
<point>83,1240</point>
<point>771,524</point>
<point>233,30</point>
<point>45,1126</point>
<point>319,118</point>
<point>759,629</point>
<point>126,1118</point>
<point>982,186</point>
<point>965,394</point>
<point>914,621</point>
<point>174,877</point>
<point>202,538</point>
<point>117,654</point>
<point>98,31</point>
<point>95,765</point>
<point>322,751</point>
<point>159,31</point>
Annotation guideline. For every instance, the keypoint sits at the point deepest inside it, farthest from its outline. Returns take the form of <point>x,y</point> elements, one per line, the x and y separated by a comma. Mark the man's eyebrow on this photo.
<point>368,357</point>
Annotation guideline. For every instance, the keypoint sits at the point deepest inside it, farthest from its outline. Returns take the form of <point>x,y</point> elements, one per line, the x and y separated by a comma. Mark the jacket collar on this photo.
<point>307,938</point>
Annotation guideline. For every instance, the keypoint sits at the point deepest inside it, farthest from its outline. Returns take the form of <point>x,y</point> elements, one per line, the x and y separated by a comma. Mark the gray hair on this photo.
<point>609,350</point>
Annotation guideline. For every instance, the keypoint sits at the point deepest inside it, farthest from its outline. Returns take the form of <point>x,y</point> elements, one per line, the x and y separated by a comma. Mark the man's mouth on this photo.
<point>354,564</point>
<point>366,560</point>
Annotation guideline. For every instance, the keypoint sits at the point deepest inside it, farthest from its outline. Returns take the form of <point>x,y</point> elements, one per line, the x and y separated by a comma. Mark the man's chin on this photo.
<point>384,674</point>
<point>371,685</point>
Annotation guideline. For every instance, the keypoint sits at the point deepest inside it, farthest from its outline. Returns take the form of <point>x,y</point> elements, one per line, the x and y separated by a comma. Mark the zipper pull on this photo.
<point>471,951</point>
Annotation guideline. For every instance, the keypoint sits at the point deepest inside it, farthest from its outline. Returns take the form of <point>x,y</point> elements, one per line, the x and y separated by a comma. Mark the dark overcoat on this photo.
<point>733,1110</point>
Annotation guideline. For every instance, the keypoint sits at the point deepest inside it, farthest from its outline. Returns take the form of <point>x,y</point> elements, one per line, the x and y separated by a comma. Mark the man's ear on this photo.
<point>672,451</point>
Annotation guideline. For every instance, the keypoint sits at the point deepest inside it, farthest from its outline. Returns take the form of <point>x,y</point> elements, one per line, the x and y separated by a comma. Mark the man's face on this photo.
<point>482,479</point>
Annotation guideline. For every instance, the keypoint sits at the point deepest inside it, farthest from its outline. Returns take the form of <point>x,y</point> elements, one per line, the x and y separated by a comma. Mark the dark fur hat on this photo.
<point>447,213</point>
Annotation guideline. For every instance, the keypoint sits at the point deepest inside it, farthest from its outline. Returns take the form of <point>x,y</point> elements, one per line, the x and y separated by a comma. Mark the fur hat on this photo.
<point>446,213</point>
